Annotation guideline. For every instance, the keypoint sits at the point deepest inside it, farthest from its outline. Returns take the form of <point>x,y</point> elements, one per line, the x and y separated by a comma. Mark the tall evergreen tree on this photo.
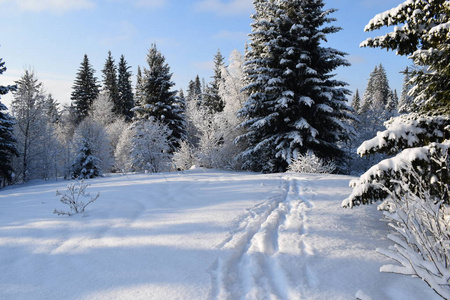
<point>85,89</point>
<point>110,84</point>
<point>212,100</point>
<point>138,97</point>
<point>356,101</point>
<point>376,95</point>
<point>406,102</point>
<point>295,105</point>
<point>8,147</point>
<point>194,92</point>
<point>125,90</point>
<point>158,101</point>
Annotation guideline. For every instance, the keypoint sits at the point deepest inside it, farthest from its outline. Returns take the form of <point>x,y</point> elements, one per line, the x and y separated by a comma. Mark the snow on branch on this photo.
<point>429,161</point>
<point>405,131</point>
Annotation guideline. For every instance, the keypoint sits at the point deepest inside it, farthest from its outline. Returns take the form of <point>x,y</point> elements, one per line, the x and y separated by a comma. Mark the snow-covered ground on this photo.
<point>201,234</point>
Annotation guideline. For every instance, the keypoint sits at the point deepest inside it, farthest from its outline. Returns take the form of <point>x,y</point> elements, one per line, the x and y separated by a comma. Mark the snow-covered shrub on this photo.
<point>421,233</point>
<point>184,157</point>
<point>310,163</point>
<point>76,198</point>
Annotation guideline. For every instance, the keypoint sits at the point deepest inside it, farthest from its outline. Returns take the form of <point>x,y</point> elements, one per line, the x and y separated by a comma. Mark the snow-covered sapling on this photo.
<point>76,197</point>
<point>310,163</point>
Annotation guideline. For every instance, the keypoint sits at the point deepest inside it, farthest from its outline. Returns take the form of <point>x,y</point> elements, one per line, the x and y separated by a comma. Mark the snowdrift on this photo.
<point>201,234</point>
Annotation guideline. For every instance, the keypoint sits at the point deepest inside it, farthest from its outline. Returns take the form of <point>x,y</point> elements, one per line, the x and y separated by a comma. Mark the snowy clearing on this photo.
<point>201,234</point>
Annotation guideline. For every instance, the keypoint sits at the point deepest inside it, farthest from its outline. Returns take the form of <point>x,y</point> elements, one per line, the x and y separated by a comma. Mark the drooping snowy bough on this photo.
<point>422,142</point>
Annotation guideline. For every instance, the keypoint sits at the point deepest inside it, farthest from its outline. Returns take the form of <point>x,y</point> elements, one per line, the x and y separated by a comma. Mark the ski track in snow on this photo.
<point>260,246</point>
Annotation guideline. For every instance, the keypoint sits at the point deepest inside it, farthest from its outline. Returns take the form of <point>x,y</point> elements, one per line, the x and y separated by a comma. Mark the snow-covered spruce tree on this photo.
<point>421,30</point>
<point>125,90</point>
<point>8,148</point>
<point>211,98</point>
<point>157,101</point>
<point>356,102</point>
<point>86,165</point>
<point>294,104</point>
<point>110,84</point>
<point>84,90</point>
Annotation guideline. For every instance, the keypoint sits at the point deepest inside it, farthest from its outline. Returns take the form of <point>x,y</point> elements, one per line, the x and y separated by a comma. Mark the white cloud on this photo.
<point>225,7</point>
<point>59,85</point>
<point>204,65</point>
<point>231,35</point>
<point>125,31</point>
<point>151,3</point>
<point>57,6</point>
<point>356,59</point>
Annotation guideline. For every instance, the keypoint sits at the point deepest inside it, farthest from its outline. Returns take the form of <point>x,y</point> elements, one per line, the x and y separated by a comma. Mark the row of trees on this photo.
<point>261,112</point>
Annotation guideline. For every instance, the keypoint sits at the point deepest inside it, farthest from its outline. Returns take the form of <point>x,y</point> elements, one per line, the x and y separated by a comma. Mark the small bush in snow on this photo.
<point>184,157</point>
<point>421,233</point>
<point>76,198</point>
<point>310,163</point>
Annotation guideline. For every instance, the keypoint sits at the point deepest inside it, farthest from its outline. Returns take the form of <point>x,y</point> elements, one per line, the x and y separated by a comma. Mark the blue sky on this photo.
<point>51,37</point>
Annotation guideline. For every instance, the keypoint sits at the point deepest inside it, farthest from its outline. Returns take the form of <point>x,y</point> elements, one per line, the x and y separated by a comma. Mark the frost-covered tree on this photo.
<point>158,101</point>
<point>211,98</point>
<point>84,90</point>
<point>8,148</point>
<point>212,134</point>
<point>294,104</point>
<point>31,123</point>
<point>110,83</point>
<point>421,31</point>
<point>93,154</point>
<point>125,90</point>
<point>144,146</point>
<point>102,109</point>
